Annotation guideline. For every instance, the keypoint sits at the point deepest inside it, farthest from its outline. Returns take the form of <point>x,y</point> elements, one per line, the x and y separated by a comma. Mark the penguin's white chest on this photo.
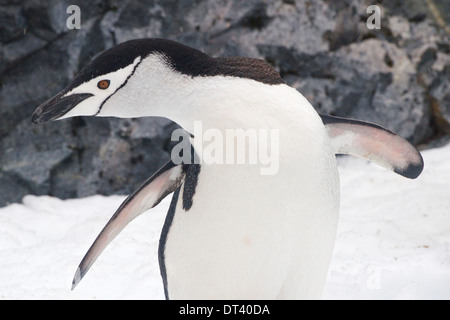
<point>254,236</point>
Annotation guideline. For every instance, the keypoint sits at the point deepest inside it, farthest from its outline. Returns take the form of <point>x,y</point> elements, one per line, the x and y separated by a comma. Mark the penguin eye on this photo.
<point>103,84</point>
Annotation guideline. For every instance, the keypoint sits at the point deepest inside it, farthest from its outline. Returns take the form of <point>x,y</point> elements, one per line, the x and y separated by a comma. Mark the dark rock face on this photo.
<point>398,76</point>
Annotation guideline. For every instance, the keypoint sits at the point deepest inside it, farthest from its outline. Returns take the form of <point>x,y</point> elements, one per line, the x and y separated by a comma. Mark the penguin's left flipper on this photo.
<point>148,195</point>
<point>375,143</point>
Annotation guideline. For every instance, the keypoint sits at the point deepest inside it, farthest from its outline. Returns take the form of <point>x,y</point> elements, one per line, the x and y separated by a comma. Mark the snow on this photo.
<point>393,241</point>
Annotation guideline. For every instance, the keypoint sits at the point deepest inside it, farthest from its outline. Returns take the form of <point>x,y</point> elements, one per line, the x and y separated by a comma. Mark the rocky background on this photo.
<point>398,76</point>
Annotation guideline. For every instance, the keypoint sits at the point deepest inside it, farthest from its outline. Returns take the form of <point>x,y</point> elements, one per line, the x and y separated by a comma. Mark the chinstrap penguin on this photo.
<point>230,233</point>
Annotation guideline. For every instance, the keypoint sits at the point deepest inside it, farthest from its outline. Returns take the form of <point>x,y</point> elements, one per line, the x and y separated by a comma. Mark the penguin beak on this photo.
<point>57,106</point>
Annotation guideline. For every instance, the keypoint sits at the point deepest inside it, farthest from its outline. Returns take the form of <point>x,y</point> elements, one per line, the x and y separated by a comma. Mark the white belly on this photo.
<point>250,236</point>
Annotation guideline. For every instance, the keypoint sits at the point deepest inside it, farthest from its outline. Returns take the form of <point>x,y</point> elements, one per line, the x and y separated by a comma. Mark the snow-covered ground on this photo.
<point>393,241</point>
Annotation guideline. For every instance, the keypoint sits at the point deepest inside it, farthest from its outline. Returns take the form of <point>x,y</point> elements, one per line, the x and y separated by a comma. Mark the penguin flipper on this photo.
<point>375,143</point>
<point>166,180</point>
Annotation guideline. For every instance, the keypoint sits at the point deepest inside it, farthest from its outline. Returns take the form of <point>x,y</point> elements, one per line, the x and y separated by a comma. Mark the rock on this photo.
<point>397,76</point>
<point>13,23</point>
<point>378,83</point>
<point>29,156</point>
<point>440,99</point>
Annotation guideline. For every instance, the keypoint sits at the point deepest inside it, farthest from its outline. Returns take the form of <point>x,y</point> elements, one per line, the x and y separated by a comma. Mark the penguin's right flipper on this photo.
<point>375,143</point>
<point>148,195</point>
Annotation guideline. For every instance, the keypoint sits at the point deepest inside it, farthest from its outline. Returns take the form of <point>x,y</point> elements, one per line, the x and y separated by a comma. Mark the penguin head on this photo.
<point>120,81</point>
